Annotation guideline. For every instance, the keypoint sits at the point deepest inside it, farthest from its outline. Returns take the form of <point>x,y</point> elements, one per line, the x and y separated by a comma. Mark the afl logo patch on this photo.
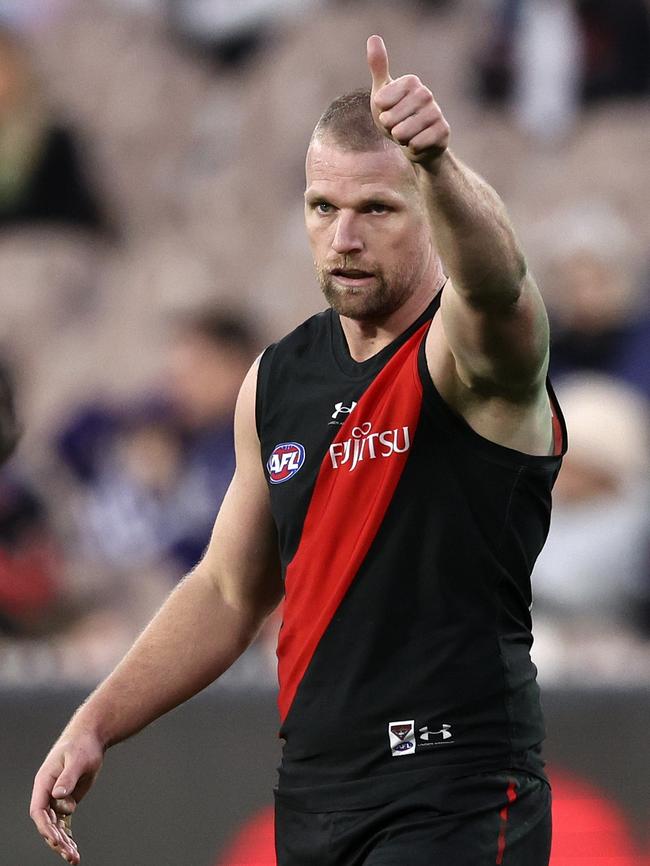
<point>285,460</point>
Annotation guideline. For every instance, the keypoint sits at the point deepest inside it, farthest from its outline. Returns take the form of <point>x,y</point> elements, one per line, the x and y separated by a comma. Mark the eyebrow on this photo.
<point>387,197</point>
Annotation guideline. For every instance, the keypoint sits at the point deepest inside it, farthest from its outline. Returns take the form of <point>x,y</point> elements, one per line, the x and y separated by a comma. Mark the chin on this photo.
<point>352,305</point>
<point>361,305</point>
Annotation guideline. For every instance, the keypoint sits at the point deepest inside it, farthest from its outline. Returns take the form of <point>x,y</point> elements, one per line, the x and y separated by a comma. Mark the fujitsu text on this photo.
<point>366,445</point>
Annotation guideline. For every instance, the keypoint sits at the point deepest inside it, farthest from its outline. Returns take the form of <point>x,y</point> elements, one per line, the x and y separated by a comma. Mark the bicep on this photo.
<point>242,556</point>
<point>498,347</point>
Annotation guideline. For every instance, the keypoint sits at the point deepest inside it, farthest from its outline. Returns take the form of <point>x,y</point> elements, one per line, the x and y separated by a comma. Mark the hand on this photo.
<point>405,110</point>
<point>64,778</point>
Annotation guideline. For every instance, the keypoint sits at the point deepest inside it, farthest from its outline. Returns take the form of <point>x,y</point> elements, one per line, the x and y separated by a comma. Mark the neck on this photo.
<point>367,337</point>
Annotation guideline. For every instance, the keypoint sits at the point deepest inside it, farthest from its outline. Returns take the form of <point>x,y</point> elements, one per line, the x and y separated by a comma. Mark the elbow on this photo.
<point>498,289</point>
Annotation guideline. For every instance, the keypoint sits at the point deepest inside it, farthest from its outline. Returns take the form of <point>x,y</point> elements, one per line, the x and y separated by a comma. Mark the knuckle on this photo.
<point>382,99</point>
<point>425,97</point>
<point>433,114</point>
<point>412,81</point>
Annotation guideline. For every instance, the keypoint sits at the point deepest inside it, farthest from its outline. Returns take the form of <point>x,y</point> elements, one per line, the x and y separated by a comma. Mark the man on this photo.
<point>402,495</point>
<point>167,458</point>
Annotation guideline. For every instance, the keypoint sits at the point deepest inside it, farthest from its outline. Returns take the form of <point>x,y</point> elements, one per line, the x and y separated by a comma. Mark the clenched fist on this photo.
<point>404,109</point>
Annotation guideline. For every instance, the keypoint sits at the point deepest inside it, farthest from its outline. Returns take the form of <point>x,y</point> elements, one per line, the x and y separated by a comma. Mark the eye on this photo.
<point>322,207</point>
<point>376,207</point>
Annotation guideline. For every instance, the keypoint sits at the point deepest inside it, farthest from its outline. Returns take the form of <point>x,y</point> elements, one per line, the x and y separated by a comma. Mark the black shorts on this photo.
<point>490,819</point>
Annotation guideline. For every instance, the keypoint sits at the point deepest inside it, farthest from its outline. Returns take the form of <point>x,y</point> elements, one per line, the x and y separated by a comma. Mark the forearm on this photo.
<point>472,233</point>
<point>193,638</point>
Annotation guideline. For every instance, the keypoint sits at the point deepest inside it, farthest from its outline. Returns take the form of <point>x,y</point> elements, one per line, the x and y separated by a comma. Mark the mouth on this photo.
<point>352,276</point>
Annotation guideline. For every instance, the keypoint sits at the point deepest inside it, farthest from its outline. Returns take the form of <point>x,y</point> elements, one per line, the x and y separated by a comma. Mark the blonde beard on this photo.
<point>364,304</point>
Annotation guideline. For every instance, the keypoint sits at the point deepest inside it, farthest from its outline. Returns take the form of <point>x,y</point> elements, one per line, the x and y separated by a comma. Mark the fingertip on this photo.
<point>377,61</point>
<point>375,46</point>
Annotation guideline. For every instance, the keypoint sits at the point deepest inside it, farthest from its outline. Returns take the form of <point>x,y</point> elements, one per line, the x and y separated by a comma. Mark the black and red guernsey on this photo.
<point>407,543</point>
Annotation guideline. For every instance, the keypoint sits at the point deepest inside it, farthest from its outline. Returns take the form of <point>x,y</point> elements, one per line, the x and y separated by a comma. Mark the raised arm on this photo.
<point>205,624</point>
<point>491,342</point>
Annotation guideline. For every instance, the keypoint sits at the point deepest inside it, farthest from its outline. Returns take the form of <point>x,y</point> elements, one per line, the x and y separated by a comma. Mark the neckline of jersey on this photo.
<point>361,369</point>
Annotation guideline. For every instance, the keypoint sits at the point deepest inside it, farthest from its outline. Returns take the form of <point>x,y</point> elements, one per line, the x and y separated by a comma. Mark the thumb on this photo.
<point>66,783</point>
<point>378,62</point>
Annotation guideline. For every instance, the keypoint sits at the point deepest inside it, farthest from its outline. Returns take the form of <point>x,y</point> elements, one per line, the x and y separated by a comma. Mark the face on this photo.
<point>367,227</point>
<point>204,378</point>
<point>594,294</point>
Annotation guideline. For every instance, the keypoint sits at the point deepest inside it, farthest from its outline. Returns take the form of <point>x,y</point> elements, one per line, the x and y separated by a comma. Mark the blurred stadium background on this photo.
<point>151,242</point>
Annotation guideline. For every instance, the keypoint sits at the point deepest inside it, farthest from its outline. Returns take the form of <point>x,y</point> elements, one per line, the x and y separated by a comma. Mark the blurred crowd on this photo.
<point>151,244</point>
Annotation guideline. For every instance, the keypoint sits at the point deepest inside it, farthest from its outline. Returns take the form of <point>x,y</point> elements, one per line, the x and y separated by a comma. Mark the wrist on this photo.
<point>435,166</point>
<point>88,722</point>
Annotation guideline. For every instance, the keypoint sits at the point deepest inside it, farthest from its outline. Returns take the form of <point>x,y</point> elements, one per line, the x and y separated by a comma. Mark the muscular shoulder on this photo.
<point>517,418</point>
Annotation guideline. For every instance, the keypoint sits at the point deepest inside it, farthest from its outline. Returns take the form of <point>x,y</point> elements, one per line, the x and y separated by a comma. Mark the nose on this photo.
<point>347,237</point>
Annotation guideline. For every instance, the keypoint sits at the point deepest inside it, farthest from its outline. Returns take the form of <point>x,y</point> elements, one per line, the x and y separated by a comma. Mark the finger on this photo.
<point>43,784</point>
<point>67,847</point>
<point>46,826</point>
<point>44,816</point>
<point>378,62</point>
<point>66,782</point>
<point>402,106</point>
<point>406,88</point>
<point>58,841</point>
<point>59,838</point>
<point>64,823</point>
<point>432,140</point>
<point>408,129</point>
<point>413,124</point>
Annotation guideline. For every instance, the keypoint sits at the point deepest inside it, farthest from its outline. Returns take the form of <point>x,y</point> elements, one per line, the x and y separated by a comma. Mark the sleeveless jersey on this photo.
<point>407,542</point>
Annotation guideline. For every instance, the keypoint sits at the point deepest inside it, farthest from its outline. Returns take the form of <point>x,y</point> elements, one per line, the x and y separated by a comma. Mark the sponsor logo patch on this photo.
<point>285,460</point>
<point>401,736</point>
<point>341,409</point>
<point>427,737</point>
<point>364,444</point>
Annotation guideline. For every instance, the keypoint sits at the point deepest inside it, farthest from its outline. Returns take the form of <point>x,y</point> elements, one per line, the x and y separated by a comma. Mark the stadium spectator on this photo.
<point>616,52</point>
<point>30,560</point>
<point>29,554</point>
<point>590,578</point>
<point>599,312</point>
<point>611,51</point>
<point>149,478</point>
<point>154,472</point>
<point>210,353</point>
<point>231,33</point>
<point>42,179</point>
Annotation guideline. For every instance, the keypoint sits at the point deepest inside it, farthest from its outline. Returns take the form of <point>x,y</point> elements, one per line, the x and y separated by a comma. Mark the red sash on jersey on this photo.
<point>354,488</point>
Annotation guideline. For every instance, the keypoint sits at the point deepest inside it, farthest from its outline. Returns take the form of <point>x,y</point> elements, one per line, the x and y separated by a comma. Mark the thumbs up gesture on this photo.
<point>405,110</point>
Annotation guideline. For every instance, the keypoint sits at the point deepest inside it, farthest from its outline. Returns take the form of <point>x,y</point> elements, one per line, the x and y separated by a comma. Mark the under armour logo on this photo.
<point>427,735</point>
<point>340,409</point>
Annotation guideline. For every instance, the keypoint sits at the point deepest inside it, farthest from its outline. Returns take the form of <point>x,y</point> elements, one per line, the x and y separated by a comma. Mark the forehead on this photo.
<point>330,169</point>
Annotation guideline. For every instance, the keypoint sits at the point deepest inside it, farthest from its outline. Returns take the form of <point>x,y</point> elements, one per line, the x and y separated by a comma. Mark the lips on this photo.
<point>351,273</point>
